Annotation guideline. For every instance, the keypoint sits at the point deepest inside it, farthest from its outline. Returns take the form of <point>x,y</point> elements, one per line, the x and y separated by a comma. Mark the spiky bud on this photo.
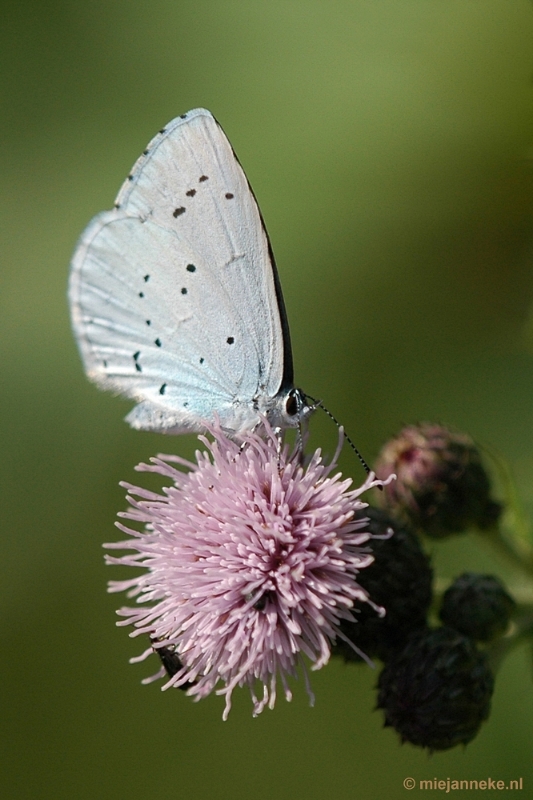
<point>437,691</point>
<point>442,486</point>
<point>478,606</point>
<point>399,580</point>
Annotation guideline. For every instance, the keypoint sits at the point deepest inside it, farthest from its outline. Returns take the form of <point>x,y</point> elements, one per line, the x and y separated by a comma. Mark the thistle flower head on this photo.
<point>251,564</point>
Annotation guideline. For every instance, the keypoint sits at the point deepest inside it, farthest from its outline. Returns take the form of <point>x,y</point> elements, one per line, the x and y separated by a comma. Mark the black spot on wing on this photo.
<point>191,268</point>
<point>141,294</point>
<point>229,196</point>
<point>203,178</point>
<point>158,342</point>
<point>191,193</point>
<point>183,116</point>
<point>184,290</point>
<point>178,212</point>
<point>136,360</point>
<point>130,177</point>
<point>146,278</point>
<point>162,388</point>
<point>202,360</point>
<point>145,152</point>
<point>230,340</point>
<point>148,321</point>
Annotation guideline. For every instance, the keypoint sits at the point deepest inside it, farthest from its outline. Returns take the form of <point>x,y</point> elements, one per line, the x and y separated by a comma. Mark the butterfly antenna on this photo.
<point>318,404</point>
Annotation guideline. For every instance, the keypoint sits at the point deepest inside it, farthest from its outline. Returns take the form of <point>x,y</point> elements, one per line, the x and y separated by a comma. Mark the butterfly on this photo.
<point>175,297</point>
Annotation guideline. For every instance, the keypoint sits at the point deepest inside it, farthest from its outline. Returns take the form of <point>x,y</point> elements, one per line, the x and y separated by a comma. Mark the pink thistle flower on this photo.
<point>251,564</point>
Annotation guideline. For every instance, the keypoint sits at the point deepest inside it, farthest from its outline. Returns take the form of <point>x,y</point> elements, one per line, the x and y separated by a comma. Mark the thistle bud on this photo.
<point>436,692</point>
<point>442,486</point>
<point>478,606</point>
<point>399,580</point>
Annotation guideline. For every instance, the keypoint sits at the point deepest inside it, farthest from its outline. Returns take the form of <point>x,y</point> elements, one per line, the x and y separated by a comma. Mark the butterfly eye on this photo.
<point>292,405</point>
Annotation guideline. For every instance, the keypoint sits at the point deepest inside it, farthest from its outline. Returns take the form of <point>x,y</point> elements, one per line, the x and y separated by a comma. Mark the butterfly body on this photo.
<point>174,293</point>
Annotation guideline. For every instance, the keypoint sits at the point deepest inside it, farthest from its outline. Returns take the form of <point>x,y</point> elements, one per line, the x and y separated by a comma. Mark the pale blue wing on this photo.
<point>173,292</point>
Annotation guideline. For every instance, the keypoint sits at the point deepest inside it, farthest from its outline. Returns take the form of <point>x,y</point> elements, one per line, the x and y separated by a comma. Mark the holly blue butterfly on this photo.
<point>175,296</point>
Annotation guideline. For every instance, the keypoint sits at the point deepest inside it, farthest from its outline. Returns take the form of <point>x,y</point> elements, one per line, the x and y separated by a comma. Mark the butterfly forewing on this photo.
<point>172,292</point>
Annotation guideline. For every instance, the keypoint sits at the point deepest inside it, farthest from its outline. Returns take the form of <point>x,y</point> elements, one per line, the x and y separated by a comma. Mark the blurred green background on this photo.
<point>389,144</point>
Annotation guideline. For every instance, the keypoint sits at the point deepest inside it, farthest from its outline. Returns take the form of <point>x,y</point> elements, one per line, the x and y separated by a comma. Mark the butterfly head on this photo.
<point>288,409</point>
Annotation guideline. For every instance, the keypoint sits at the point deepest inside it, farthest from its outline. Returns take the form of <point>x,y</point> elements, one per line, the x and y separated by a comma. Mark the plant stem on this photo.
<point>516,551</point>
<point>522,628</point>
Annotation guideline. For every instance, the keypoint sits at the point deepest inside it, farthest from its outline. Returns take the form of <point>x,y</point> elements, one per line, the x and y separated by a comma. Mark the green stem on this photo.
<point>516,551</point>
<point>522,628</point>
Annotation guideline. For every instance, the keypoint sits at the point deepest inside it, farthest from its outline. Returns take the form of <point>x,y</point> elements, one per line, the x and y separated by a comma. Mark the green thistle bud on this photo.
<point>477,606</point>
<point>436,692</point>
<point>399,580</point>
<point>442,486</point>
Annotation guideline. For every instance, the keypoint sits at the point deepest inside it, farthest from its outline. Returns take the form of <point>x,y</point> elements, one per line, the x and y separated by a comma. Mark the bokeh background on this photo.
<point>390,146</point>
